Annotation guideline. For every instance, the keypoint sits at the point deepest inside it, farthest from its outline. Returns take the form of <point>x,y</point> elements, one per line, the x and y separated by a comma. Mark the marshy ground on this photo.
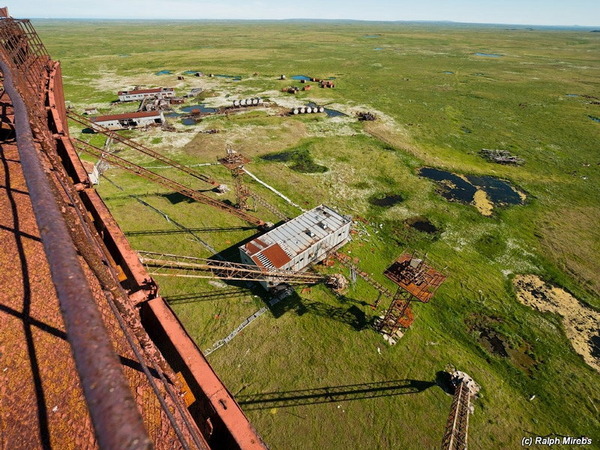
<point>441,94</point>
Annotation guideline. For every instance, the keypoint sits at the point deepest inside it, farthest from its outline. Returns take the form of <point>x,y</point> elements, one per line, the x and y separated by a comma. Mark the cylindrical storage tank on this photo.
<point>236,103</point>
<point>260,101</point>
<point>321,109</point>
<point>302,110</point>
<point>308,110</point>
<point>255,101</point>
<point>295,111</point>
<point>243,102</point>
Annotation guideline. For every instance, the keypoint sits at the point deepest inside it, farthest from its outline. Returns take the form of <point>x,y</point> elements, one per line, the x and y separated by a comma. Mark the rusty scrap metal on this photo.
<point>167,182</point>
<point>116,420</point>
<point>211,268</point>
<point>141,148</point>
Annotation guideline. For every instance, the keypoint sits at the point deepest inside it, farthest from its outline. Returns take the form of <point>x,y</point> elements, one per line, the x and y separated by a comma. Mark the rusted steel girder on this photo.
<point>116,420</point>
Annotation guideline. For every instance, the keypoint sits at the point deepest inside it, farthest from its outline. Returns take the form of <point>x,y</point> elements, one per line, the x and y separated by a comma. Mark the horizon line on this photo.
<point>300,19</point>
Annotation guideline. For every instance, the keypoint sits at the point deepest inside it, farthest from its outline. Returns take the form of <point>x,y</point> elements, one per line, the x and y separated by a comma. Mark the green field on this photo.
<point>437,104</point>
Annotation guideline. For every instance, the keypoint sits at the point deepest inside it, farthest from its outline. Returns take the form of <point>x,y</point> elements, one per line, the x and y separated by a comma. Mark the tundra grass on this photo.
<point>438,104</point>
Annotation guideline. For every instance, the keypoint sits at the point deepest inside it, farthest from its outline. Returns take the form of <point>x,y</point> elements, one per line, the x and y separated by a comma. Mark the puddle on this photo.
<point>328,111</point>
<point>188,121</point>
<point>453,187</point>
<point>484,192</point>
<point>377,48</point>
<point>201,108</point>
<point>173,114</point>
<point>595,346</point>
<point>386,200</point>
<point>499,192</point>
<point>594,118</point>
<point>124,56</point>
<point>301,77</point>
<point>579,321</point>
<point>191,72</point>
<point>447,72</point>
<point>232,77</point>
<point>571,95</point>
<point>497,344</point>
<point>488,55</point>
<point>301,158</point>
<point>164,72</point>
<point>422,224</point>
<point>371,36</point>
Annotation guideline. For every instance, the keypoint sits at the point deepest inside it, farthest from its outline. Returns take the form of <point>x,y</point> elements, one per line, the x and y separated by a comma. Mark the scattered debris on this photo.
<point>501,157</point>
<point>366,116</point>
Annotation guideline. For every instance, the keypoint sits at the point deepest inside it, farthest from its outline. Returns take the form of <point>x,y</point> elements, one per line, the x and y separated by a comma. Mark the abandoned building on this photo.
<point>140,94</point>
<point>130,120</point>
<point>295,245</point>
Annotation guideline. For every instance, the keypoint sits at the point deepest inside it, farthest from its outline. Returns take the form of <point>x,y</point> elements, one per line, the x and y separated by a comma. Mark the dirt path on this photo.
<point>580,322</point>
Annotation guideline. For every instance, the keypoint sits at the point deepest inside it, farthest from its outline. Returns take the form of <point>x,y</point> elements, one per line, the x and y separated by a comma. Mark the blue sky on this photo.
<point>530,12</point>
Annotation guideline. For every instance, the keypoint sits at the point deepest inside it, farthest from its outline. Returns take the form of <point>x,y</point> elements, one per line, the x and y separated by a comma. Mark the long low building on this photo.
<point>130,120</point>
<point>295,245</point>
<point>140,94</point>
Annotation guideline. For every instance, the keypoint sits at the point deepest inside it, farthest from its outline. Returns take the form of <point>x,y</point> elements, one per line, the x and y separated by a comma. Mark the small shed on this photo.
<point>299,243</point>
<point>141,94</point>
<point>130,120</point>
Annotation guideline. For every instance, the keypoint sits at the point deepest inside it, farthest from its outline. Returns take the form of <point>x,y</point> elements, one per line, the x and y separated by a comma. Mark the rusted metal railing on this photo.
<point>116,420</point>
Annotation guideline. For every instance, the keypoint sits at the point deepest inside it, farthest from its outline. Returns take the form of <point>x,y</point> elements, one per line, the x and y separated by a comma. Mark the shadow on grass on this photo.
<point>330,394</point>
<point>187,230</point>
<point>206,296</point>
<point>352,316</point>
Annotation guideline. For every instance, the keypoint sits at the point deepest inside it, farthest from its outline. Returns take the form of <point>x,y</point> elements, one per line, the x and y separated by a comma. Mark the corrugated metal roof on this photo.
<point>129,115</point>
<point>295,236</point>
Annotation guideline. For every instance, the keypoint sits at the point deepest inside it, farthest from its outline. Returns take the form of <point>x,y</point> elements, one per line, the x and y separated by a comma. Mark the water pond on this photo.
<point>463,188</point>
<point>329,112</point>
<point>164,72</point>
<point>232,77</point>
<point>421,224</point>
<point>594,118</point>
<point>386,200</point>
<point>202,108</point>
<point>301,77</point>
<point>488,55</point>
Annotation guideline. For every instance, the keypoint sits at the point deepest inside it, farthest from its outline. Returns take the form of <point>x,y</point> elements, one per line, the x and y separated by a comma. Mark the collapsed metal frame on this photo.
<point>110,134</point>
<point>226,270</point>
<point>416,280</point>
<point>166,182</point>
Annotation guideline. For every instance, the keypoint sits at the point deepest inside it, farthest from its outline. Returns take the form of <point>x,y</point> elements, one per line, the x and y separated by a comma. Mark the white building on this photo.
<point>130,120</point>
<point>295,245</point>
<point>140,94</point>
